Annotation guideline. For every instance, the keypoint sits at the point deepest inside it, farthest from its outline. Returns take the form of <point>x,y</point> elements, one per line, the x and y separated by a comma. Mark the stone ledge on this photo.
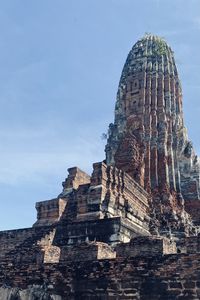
<point>87,252</point>
<point>146,246</point>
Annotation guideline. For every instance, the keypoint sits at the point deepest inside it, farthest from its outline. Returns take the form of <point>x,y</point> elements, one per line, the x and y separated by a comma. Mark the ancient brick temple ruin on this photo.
<point>131,230</point>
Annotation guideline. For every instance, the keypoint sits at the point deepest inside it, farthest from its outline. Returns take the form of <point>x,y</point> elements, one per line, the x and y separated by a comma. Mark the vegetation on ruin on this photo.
<point>160,45</point>
<point>160,48</point>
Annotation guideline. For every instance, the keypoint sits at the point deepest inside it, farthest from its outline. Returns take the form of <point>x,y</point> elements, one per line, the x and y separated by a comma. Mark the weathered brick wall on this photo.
<point>11,238</point>
<point>102,230</point>
<point>193,244</point>
<point>28,245</point>
<point>142,270</point>
<point>193,208</point>
<point>168,277</point>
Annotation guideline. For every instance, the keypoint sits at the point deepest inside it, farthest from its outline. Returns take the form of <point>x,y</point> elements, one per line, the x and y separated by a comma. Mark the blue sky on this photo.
<point>60,63</point>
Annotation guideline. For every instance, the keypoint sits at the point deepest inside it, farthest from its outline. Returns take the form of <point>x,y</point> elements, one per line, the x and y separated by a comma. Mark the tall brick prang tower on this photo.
<point>148,139</point>
<point>149,117</point>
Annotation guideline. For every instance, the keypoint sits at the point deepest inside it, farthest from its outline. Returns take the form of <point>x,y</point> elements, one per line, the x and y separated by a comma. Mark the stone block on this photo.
<point>146,246</point>
<point>75,178</point>
<point>49,212</point>
<point>87,252</point>
<point>193,244</point>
